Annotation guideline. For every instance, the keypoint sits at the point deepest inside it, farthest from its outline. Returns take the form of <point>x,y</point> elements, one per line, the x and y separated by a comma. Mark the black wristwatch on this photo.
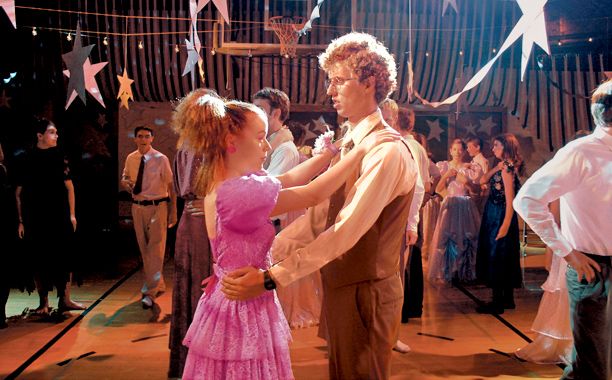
<point>269,283</point>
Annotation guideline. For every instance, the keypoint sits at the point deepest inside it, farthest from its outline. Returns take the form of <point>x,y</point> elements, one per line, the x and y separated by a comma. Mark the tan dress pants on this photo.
<point>151,227</point>
<point>363,321</point>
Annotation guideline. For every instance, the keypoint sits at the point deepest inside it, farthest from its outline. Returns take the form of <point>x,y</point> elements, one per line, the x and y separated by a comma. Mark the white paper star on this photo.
<point>536,31</point>
<point>434,130</point>
<point>221,7</point>
<point>470,129</point>
<point>91,86</point>
<point>193,55</point>
<point>452,3</point>
<point>487,124</point>
<point>9,8</point>
<point>4,100</point>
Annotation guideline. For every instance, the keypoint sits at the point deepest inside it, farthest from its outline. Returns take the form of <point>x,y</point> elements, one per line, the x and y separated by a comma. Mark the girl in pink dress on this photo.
<point>246,339</point>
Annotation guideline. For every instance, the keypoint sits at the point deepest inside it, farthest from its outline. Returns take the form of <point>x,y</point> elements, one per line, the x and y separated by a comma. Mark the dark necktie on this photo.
<point>138,185</point>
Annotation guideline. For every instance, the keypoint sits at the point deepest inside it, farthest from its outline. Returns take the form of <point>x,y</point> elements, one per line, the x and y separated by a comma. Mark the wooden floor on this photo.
<point>117,339</point>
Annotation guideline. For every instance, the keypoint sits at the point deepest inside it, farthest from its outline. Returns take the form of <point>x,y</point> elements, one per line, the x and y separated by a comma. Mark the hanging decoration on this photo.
<point>91,86</point>
<point>535,32</point>
<point>9,8</point>
<point>125,89</point>
<point>75,61</point>
<point>452,3</point>
<point>195,8</point>
<point>193,55</point>
<point>531,26</point>
<point>316,13</point>
<point>125,83</point>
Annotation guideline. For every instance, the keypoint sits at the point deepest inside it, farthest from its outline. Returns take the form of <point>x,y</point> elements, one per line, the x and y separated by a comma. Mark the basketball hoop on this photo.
<point>287,28</point>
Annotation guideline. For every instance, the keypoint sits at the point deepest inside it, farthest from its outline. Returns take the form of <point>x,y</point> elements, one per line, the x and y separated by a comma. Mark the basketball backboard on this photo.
<point>249,32</point>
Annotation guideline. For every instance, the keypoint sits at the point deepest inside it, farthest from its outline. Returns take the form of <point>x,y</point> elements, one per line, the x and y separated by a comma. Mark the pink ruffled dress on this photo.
<point>240,339</point>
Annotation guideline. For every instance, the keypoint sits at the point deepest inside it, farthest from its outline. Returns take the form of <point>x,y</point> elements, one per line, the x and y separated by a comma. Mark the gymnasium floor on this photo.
<point>116,339</point>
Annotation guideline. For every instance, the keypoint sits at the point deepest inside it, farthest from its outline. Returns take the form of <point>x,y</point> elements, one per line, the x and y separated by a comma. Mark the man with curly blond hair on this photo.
<point>354,238</point>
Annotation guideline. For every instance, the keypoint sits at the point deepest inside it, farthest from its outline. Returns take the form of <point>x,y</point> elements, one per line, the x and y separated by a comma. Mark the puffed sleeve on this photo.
<point>244,203</point>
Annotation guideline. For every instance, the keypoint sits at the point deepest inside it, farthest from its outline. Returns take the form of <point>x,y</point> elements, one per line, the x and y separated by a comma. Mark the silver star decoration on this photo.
<point>75,61</point>
<point>452,3</point>
<point>4,100</point>
<point>193,54</point>
<point>434,130</point>
<point>487,124</point>
<point>470,129</point>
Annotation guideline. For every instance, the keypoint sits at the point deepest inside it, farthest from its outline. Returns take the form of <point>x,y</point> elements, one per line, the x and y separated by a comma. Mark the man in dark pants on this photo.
<point>580,175</point>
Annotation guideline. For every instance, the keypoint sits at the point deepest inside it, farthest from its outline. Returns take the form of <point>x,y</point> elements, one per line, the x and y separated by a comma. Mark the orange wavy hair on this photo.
<point>203,122</point>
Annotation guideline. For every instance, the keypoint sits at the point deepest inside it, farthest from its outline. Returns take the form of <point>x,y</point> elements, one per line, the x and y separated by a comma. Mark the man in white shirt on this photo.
<point>354,238</point>
<point>148,177</point>
<point>580,176</point>
<point>284,154</point>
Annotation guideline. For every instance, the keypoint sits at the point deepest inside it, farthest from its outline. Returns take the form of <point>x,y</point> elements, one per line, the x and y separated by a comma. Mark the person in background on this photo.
<point>498,259</point>
<point>412,276</point>
<point>148,177</point>
<point>477,192</point>
<point>452,255</point>
<point>47,221</point>
<point>580,176</point>
<point>192,257</point>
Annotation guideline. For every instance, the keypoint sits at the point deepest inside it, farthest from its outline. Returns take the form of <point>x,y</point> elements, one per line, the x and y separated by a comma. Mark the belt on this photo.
<point>600,259</point>
<point>151,202</point>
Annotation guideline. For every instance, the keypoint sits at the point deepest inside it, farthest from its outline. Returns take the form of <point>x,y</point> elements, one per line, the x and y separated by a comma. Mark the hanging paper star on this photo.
<point>470,129</point>
<point>434,130</point>
<point>221,7</point>
<point>4,100</point>
<point>75,61</point>
<point>89,72</point>
<point>316,13</point>
<point>452,3</point>
<point>487,124</point>
<point>9,8</point>
<point>193,55</point>
<point>536,31</point>
<point>125,89</point>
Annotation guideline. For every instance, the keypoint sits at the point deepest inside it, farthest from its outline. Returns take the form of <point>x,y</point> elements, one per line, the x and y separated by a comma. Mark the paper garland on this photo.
<point>316,13</point>
<point>452,3</point>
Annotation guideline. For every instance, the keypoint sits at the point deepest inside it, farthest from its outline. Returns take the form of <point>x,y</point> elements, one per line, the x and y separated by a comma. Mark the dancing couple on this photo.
<point>239,330</point>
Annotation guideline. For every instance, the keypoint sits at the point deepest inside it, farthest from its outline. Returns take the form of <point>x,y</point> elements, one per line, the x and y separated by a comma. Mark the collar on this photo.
<point>147,155</point>
<point>358,132</point>
<point>601,134</point>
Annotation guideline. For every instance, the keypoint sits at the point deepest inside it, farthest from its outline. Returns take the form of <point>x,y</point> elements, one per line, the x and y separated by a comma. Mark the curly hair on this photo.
<point>511,151</point>
<point>278,100</point>
<point>204,121</point>
<point>366,57</point>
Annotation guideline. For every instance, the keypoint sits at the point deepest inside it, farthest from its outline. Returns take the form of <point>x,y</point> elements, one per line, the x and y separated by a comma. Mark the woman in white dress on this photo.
<point>553,342</point>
